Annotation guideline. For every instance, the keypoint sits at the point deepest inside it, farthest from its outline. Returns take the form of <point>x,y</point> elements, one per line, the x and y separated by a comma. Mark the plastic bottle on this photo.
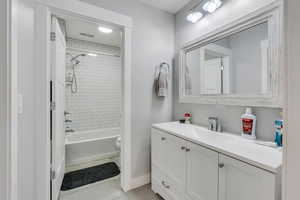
<point>248,124</point>
<point>278,132</point>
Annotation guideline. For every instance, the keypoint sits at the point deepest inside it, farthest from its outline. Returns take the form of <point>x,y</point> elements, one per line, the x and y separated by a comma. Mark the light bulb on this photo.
<point>194,16</point>
<point>104,29</point>
<point>210,6</point>
<point>217,2</point>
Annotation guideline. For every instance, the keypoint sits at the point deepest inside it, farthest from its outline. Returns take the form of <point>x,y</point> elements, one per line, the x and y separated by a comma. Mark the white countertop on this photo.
<point>235,146</point>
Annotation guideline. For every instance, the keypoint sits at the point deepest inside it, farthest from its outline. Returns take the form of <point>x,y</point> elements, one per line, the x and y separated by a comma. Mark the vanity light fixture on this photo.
<point>209,6</point>
<point>105,29</point>
<point>212,5</point>
<point>194,16</point>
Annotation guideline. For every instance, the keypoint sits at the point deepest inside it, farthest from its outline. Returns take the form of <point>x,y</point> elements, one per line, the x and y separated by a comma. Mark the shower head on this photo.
<point>79,55</point>
<point>75,58</point>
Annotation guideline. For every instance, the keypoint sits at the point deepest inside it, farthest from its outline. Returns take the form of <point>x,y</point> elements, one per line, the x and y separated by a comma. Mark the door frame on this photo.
<point>75,8</point>
<point>8,100</point>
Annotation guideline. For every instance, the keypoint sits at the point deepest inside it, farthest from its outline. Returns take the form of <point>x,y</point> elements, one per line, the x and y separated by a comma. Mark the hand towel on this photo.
<point>161,82</point>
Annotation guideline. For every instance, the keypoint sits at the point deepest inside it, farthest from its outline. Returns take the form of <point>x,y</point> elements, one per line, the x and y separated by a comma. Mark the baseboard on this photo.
<point>140,181</point>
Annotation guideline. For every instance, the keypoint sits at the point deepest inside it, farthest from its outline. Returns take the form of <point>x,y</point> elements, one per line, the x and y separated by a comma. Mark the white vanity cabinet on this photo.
<point>183,170</point>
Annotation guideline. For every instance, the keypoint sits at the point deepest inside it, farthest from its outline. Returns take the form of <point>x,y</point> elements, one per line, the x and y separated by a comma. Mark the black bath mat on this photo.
<point>89,175</point>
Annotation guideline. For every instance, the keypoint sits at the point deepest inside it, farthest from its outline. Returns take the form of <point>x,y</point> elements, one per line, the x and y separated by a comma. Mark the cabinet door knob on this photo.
<point>187,149</point>
<point>221,165</point>
<point>183,148</point>
<point>163,138</point>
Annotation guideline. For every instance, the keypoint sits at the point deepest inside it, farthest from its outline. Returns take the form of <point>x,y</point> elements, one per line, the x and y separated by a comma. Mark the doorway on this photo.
<point>57,149</point>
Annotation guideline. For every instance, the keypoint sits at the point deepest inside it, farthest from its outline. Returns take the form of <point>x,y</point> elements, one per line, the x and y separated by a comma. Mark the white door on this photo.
<point>201,173</point>
<point>58,53</point>
<point>241,181</point>
<point>211,77</point>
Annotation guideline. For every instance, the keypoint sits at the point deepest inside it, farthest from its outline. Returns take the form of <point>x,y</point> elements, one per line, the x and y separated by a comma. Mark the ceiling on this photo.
<point>171,6</point>
<point>76,27</point>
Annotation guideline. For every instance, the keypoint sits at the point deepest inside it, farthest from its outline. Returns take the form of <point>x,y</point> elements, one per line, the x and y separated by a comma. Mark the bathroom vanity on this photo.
<point>192,163</point>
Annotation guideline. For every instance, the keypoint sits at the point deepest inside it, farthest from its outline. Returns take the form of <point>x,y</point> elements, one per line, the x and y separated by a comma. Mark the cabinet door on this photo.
<point>241,181</point>
<point>175,171</point>
<point>201,173</point>
<point>158,149</point>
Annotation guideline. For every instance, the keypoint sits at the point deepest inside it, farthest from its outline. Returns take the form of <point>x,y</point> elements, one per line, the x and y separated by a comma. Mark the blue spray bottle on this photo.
<point>278,132</point>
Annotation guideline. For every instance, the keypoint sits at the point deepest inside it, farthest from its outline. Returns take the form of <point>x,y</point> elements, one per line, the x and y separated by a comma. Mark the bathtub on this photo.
<point>92,135</point>
<point>91,146</point>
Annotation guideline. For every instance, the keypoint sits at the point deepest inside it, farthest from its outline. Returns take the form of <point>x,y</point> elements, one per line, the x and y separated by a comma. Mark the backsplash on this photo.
<point>97,104</point>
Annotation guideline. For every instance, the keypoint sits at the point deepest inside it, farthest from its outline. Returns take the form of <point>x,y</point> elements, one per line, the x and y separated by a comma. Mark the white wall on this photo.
<point>229,115</point>
<point>97,103</point>
<point>153,42</point>
<point>292,161</point>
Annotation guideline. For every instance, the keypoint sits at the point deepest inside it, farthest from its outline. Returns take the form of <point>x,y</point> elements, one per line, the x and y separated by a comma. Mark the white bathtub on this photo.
<point>90,146</point>
<point>92,135</point>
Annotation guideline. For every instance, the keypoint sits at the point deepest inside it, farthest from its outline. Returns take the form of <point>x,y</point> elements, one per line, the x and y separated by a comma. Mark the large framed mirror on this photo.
<point>238,64</point>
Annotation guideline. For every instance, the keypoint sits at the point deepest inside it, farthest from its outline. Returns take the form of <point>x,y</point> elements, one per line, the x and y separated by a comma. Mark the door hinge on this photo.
<point>52,106</point>
<point>52,174</point>
<point>52,36</point>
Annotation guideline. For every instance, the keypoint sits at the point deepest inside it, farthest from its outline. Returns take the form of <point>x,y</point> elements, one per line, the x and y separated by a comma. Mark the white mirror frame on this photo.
<point>271,14</point>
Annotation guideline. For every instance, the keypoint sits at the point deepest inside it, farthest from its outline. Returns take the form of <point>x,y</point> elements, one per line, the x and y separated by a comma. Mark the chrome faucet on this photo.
<point>213,123</point>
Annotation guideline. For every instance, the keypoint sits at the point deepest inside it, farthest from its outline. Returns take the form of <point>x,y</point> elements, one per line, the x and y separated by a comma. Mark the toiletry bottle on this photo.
<point>187,117</point>
<point>278,132</point>
<point>248,123</point>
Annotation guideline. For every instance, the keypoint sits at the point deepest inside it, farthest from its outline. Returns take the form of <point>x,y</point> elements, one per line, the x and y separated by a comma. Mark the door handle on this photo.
<point>165,185</point>
<point>221,165</point>
<point>163,138</point>
<point>187,149</point>
<point>183,148</point>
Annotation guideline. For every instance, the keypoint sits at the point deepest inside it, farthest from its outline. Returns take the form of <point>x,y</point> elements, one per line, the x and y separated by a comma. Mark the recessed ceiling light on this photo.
<point>194,16</point>
<point>105,29</point>
<point>92,54</point>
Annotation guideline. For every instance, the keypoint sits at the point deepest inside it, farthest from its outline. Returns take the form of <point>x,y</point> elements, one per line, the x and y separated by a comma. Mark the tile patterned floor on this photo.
<point>109,190</point>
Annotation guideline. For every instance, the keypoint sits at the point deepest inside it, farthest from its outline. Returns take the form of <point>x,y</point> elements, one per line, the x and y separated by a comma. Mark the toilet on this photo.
<point>118,143</point>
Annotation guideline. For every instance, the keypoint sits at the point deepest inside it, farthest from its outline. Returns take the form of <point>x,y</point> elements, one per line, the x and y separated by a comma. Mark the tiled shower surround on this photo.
<point>97,104</point>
